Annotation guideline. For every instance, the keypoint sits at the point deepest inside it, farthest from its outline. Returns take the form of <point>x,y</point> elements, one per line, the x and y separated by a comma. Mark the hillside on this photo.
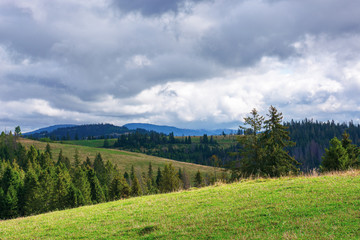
<point>123,159</point>
<point>325,207</point>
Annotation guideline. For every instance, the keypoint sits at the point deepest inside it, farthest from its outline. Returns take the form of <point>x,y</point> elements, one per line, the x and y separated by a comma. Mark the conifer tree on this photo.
<point>252,150</point>
<point>48,150</point>
<point>170,181</point>
<point>276,160</point>
<point>97,194</point>
<point>150,173</point>
<point>10,184</point>
<point>74,197</point>
<point>127,177</point>
<point>87,163</point>
<point>158,177</point>
<point>198,179</point>
<point>119,188</point>
<point>47,187</point>
<point>100,170</point>
<point>63,160</point>
<point>81,182</point>
<point>76,158</point>
<point>61,191</point>
<point>352,150</point>
<point>335,157</point>
<point>31,193</point>
<point>32,154</point>
<point>185,179</point>
<point>135,187</point>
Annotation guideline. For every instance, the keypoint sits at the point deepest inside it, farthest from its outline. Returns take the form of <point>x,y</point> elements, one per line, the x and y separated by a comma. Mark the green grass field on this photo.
<point>123,159</point>
<point>325,207</point>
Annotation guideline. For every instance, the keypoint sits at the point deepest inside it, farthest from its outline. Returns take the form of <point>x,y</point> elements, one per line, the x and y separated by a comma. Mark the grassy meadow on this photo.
<point>307,207</point>
<point>123,159</point>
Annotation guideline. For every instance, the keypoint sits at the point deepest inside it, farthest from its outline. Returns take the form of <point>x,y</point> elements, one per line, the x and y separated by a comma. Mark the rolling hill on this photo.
<point>325,207</point>
<point>123,159</point>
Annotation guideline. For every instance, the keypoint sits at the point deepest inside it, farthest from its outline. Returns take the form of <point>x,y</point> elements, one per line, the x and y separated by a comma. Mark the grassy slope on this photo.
<point>326,207</point>
<point>122,159</point>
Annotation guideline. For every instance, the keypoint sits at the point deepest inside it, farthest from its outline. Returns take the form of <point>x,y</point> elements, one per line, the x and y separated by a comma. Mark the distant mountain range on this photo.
<point>76,132</point>
<point>177,131</point>
<point>71,131</point>
<point>49,129</point>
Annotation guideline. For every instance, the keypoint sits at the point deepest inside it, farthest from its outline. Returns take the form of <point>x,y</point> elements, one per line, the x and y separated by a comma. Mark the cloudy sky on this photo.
<point>193,64</point>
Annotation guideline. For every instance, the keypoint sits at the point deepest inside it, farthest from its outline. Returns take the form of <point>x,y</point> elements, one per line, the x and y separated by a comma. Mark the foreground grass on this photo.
<point>123,159</point>
<point>326,207</point>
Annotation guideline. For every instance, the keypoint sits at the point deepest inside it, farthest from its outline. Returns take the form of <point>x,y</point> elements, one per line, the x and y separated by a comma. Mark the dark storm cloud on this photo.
<point>253,29</point>
<point>20,32</point>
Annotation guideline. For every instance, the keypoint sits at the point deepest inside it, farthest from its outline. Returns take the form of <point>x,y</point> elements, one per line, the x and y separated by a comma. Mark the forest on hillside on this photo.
<point>34,181</point>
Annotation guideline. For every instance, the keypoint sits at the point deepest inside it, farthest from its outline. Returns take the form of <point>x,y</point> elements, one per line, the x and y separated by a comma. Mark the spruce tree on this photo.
<point>127,177</point>
<point>81,182</point>
<point>76,158</point>
<point>10,184</point>
<point>119,188</point>
<point>47,187</point>
<point>31,196</point>
<point>170,181</point>
<point>100,170</point>
<point>335,157</point>
<point>97,194</point>
<point>252,149</point>
<point>48,150</point>
<point>135,187</point>
<point>352,150</point>
<point>276,160</point>
<point>198,179</point>
<point>61,191</point>
<point>158,177</point>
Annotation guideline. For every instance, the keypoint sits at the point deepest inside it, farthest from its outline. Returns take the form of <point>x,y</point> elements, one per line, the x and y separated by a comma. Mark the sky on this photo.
<point>190,64</point>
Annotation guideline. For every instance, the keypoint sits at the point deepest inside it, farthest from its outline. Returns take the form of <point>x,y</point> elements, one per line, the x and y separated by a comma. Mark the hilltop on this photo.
<point>325,207</point>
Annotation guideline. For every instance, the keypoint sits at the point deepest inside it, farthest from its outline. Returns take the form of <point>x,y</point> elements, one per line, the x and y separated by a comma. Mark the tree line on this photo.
<point>34,181</point>
<point>266,144</point>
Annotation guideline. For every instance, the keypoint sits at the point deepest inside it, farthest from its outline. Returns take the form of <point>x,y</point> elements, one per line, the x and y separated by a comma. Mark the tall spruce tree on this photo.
<point>81,182</point>
<point>100,170</point>
<point>252,149</point>
<point>276,160</point>
<point>97,194</point>
<point>31,196</point>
